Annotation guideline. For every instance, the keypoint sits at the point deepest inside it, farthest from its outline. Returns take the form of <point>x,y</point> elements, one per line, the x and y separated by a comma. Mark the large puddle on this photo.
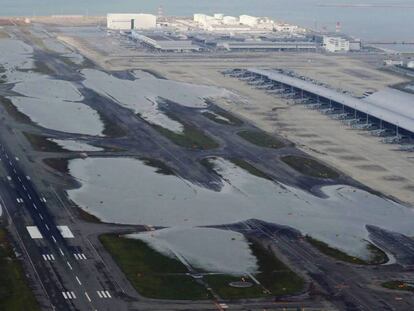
<point>141,94</point>
<point>124,190</point>
<point>208,249</point>
<point>50,103</point>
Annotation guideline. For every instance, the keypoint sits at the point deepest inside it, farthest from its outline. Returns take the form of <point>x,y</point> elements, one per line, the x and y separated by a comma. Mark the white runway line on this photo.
<point>34,205</point>
<point>87,296</point>
<point>61,252</point>
<point>99,294</point>
<point>41,217</point>
<point>109,295</point>
<point>73,295</point>
<point>104,294</point>
<point>53,238</point>
<point>77,279</point>
<point>69,265</point>
<point>28,177</point>
<point>64,295</point>
<point>47,227</point>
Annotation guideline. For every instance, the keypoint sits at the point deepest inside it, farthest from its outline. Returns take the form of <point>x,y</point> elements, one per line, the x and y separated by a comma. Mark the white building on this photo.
<point>131,21</point>
<point>251,21</point>
<point>335,44</point>
<point>410,64</point>
<point>288,28</point>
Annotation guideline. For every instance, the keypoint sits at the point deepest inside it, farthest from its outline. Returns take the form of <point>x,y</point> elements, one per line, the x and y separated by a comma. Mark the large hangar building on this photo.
<point>131,21</point>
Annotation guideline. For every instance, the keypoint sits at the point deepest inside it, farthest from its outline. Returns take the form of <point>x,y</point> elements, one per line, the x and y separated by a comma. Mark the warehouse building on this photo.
<point>164,43</point>
<point>131,21</point>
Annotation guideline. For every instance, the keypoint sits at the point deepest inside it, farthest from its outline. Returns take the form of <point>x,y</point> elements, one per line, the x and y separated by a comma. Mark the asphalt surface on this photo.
<point>78,274</point>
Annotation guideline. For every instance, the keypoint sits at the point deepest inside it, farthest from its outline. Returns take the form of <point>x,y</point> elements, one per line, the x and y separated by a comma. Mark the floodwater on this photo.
<point>207,249</point>
<point>50,103</point>
<point>125,190</point>
<point>142,94</point>
<point>73,145</point>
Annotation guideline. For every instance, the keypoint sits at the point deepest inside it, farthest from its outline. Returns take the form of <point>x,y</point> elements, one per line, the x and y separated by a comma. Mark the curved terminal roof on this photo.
<point>390,105</point>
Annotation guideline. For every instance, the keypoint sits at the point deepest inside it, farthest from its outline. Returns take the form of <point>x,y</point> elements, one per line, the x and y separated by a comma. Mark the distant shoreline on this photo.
<point>366,5</point>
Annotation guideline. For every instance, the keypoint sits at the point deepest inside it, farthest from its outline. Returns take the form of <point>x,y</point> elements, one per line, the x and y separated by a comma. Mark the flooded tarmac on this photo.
<point>73,145</point>
<point>207,249</point>
<point>143,93</point>
<point>125,190</point>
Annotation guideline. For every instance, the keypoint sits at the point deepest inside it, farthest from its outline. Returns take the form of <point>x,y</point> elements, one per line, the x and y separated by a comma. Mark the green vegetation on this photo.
<point>151,273</point>
<point>15,293</point>
<point>274,276</point>
<point>398,285</point>
<point>377,255</point>
<point>41,143</point>
<point>220,284</point>
<point>261,139</point>
<point>251,169</point>
<point>310,167</point>
<point>191,137</point>
<point>222,117</point>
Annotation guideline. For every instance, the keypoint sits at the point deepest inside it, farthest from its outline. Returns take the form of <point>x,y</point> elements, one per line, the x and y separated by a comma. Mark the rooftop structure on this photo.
<point>131,21</point>
<point>164,43</point>
<point>242,24</point>
<point>390,105</point>
<point>268,45</point>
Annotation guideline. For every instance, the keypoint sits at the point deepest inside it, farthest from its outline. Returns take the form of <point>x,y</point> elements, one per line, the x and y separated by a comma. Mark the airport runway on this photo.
<point>66,268</point>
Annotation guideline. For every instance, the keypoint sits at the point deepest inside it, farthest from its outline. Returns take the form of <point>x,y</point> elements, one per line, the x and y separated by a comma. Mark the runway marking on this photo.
<point>17,159</point>
<point>87,296</point>
<point>34,232</point>
<point>48,257</point>
<point>69,295</point>
<point>53,238</point>
<point>43,199</point>
<point>28,177</point>
<point>47,227</point>
<point>77,279</point>
<point>80,256</point>
<point>65,232</point>
<point>6,156</point>
<point>104,294</point>
<point>41,217</point>
<point>19,200</point>
<point>34,205</point>
<point>61,252</point>
<point>19,178</point>
<point>10,162</point>
<point>9,178</point>
<point>24,187</point>
<point>14,170</point>
<point>69,265</point>
<point>30,197</point>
